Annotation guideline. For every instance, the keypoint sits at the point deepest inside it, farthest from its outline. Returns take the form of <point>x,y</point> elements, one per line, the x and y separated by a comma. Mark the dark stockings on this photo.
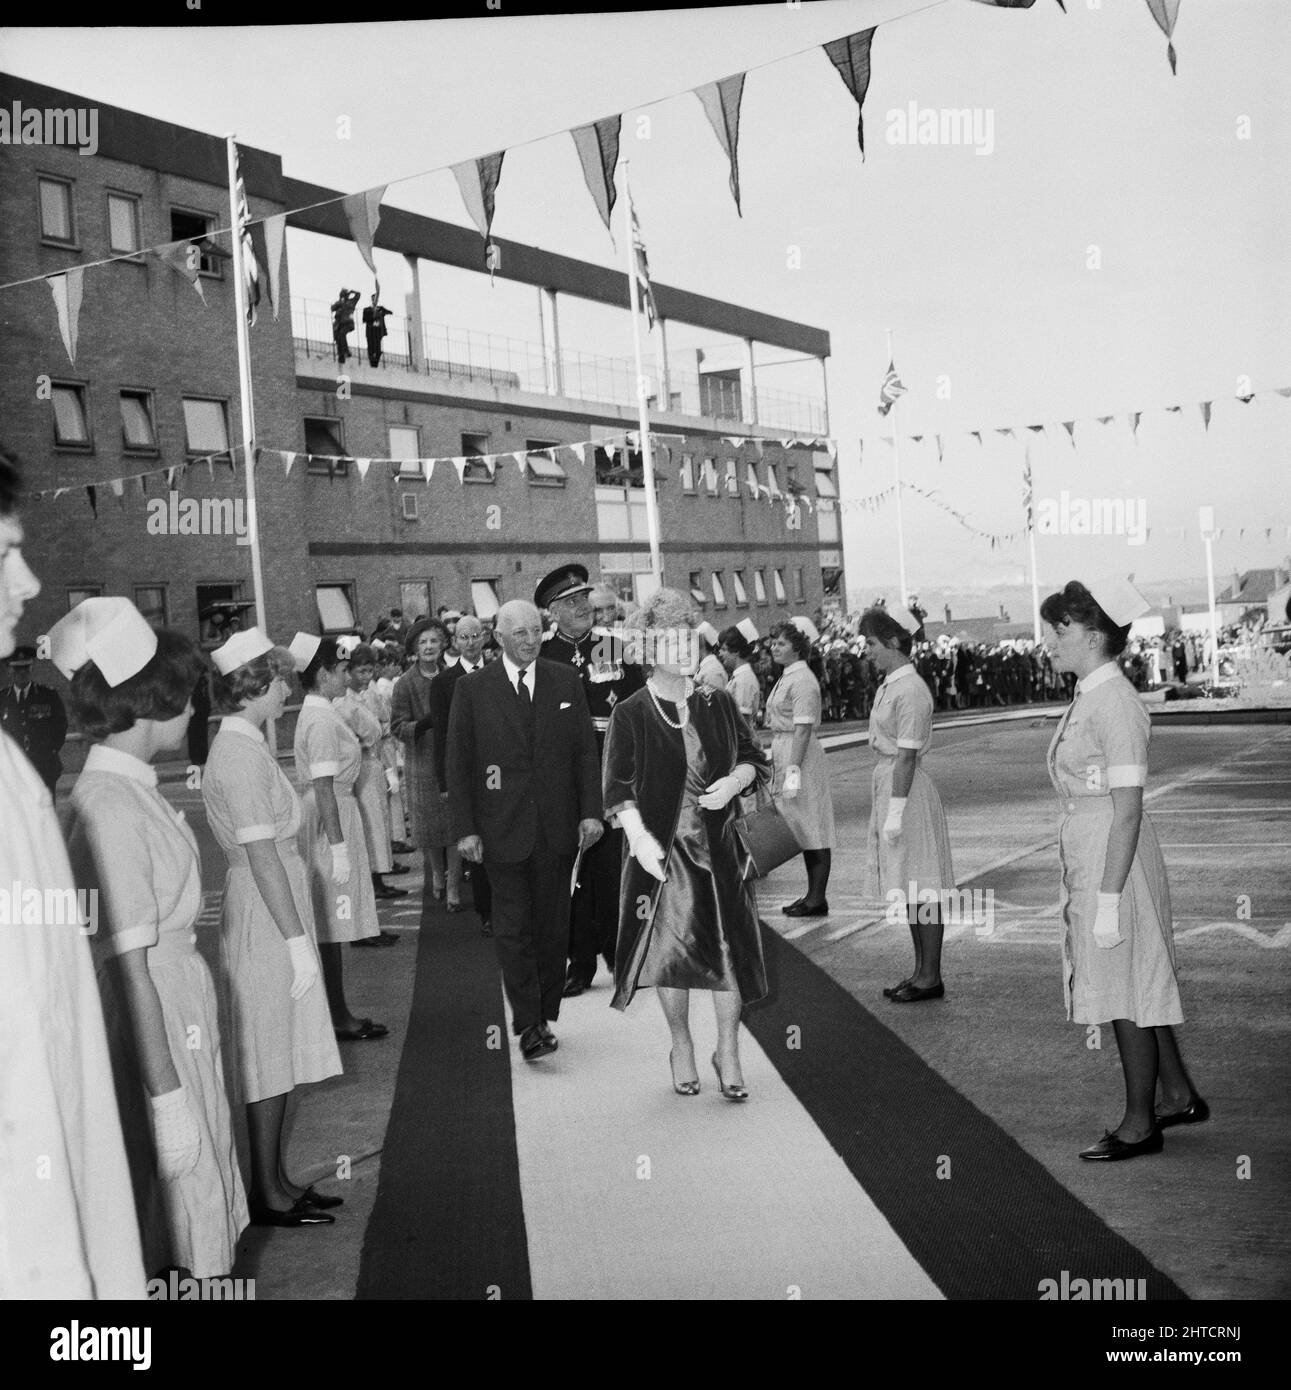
<point>1149,1055</point>
<point>926,931</point>
<point>270,1186</point>
<point>329,953</point>
<point>818,862</point>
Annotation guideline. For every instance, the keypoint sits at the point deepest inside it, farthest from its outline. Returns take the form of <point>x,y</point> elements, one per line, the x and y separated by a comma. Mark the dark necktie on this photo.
<point>522,691</point>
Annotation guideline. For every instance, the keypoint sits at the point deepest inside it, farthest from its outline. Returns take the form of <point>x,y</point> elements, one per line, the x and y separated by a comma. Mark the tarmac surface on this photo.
<point>1211,1212</point>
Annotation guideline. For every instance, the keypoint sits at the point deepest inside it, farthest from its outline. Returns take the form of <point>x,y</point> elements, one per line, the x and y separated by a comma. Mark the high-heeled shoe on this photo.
<point>730,1092</point>
<point>683,1088</point>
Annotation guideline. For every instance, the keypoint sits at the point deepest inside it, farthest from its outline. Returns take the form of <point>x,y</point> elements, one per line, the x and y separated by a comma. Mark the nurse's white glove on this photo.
<point>792,783</point>
<point>720,792</point>
<point>392,780</point>
<point>177,1134</point>
<point>304,964</point>
<point>642,846</point>
<point>341,868</point>
<point>1107,924</point>
<point>892,826</point>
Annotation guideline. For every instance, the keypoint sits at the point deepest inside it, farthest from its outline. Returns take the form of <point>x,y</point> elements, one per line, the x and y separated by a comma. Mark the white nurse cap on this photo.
<point>806,627</point>
<point>1119,599</point>
<point>241,648</point>
<point>110,632</point>
<point>747,629</point>
<point>708,632</point>
<point>905,617</point>
<point>304,647</point>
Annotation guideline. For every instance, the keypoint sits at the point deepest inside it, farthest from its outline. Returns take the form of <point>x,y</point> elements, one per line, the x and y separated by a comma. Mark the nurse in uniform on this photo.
<point>281,1032</point>
<point>801,782</point>
<point>1118,941</point>
<point>328,760</point>
<point>126,840</point>
<point>736,652</point>
<point>909,844</point>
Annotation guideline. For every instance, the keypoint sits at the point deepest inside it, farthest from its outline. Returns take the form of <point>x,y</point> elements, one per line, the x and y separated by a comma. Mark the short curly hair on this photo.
<point>1075,604</point>
<point>795,636</point>
<point>231,693</point>
<point>160,691</point>
<point>664,608</point>
<point>883,628</point>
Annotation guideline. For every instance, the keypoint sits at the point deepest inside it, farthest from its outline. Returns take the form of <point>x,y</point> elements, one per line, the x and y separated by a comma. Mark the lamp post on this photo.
<point>1206,523</point>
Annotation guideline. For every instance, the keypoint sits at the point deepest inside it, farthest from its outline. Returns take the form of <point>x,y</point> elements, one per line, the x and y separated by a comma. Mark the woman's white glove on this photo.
<point>177,1134</point>
<point>304,964</point>
<point>722,791</point>
<point>1107,924</point>
<point>792,783</point>
<point>392,780</point>
<point>341,868</point>
<point>643,846</point>
<point>892,826</point>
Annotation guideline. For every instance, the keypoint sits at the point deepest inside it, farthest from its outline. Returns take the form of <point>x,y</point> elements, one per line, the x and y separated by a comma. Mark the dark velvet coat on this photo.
<point>645,765</point>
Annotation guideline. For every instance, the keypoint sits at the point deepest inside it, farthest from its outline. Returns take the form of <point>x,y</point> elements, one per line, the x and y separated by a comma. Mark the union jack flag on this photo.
<point>643,267</point>
<point>250,266</point>
<point>892,388</point>
<point>1027,492</point>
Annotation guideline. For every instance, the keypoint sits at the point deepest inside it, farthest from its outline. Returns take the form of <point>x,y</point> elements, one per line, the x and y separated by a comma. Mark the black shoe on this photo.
<point>319,1200</point>
<point>398,869</point>
<point>1196,1112</point>
<point>300,1214</point>
<point>386,890</point>
<point>894,989</point>
<point>366,1031</point>
<point>911,994</point>
<point>398,847</point>
<point>574,986</point>
<point>802,909</point>
<point>1110,1149</point>
<point>534,1043</point>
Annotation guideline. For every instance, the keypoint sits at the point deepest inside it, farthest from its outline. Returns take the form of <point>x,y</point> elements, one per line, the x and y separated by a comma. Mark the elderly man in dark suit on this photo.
<point>524,796</point>
<point>34,717</point>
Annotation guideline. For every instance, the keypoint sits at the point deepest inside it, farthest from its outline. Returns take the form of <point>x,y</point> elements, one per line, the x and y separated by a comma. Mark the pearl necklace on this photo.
<point>681,706</point>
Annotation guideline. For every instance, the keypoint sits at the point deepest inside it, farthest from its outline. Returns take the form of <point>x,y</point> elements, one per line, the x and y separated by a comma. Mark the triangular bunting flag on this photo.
<point>1205,413</point>
<point>721,102</point>
<point>183,257</point>
<point>363,465</point>
<point>977,435</point>
<point>1174,409</point>
<point>598,150</point>
<point>1106,419</point>
<point>209,460</point>
<point>477,180</point>
<point>118,486</point>
<point>1070,427</point>
<point>1283,390</point>
<point>916,439</point>
<point>851,56</point>
<point>580,450</point>
<point>363,211</point>
<point>1166,13</point>
<point>1135,417</point>
<point>1006,431</point>
<point>428,467</point>
<point>92,495</point>
<point>275,235</point>
<point>1036,429</point>
<point>459,464</point>
<point>734,440</point>
<point>170,478</point>
<point>941,450</point>
<point>288,458</point>
<point>1246,400</point>
<point>67,289</point>
<point>831,447</point>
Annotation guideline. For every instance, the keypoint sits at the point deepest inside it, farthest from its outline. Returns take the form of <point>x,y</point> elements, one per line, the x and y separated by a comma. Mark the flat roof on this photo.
<point>133,138</point>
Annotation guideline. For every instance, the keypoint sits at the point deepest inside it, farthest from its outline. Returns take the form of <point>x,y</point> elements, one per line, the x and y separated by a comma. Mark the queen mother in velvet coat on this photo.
<point>676,760</point>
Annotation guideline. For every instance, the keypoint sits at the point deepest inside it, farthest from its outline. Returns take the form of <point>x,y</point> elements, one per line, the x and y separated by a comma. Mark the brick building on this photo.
<point>155,385</point>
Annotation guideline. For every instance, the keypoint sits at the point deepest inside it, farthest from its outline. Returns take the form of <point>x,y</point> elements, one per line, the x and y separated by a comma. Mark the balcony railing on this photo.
<point>466,355</point>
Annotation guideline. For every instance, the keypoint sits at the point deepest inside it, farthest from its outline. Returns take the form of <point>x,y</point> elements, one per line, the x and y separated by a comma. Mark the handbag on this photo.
<point>765,837</point>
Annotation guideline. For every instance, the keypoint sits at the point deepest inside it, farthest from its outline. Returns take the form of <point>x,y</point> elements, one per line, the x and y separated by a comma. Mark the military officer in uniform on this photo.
<point>34,717</point>
<point>597,655</point>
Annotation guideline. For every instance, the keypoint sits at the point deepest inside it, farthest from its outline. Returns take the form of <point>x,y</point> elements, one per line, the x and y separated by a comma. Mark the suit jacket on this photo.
<point>38,725</point>
<point>440,704</point>
<point>505,774</point>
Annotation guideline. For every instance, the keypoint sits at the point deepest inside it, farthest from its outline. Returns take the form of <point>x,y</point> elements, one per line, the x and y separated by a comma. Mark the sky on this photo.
<point>1121,246</point>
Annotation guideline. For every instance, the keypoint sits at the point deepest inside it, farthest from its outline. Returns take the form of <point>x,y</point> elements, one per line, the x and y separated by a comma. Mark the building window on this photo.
<point>405,445</point>
<point>773,480</point>
<point>732,478</point>
<point>221,612</point>
<point>759,587</point>
<point>741,593</point>
<point>414,599</point>
<point>484,597</point>
<point>751,478</point>
<point>137,432</point>
<point>697,588</point>
<point>335,604</point>
<point>71,420</point>
<point>541,468</point>
<point>474,447</point>
<point>688,472</point>
<point>827,523</point>
<point>150,600</point>
<point>123,223</point>
<point>799,589</point>
<point>621,514</point>
<point>81,592</point>
<point>206,429</point>
<point>325,445</point>
<point>777,583</point>
<point>710,476</point>
<point>825,484</point>
<point>197,228</point>
<point>57,217</point>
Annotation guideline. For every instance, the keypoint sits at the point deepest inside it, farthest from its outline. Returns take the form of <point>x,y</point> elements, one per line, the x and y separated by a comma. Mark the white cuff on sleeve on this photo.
<point>915,743</point>
<point>804,719</point>
<point>248,833</point>
<point>133,940</point>
<point>324,769</point>
<point>1127,775</point>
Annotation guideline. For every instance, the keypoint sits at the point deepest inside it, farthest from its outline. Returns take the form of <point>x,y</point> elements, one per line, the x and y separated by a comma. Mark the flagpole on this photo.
<point>896,464</point>
<point>247,404</point>
<point>1035,582</point>
<point>652,503</point>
